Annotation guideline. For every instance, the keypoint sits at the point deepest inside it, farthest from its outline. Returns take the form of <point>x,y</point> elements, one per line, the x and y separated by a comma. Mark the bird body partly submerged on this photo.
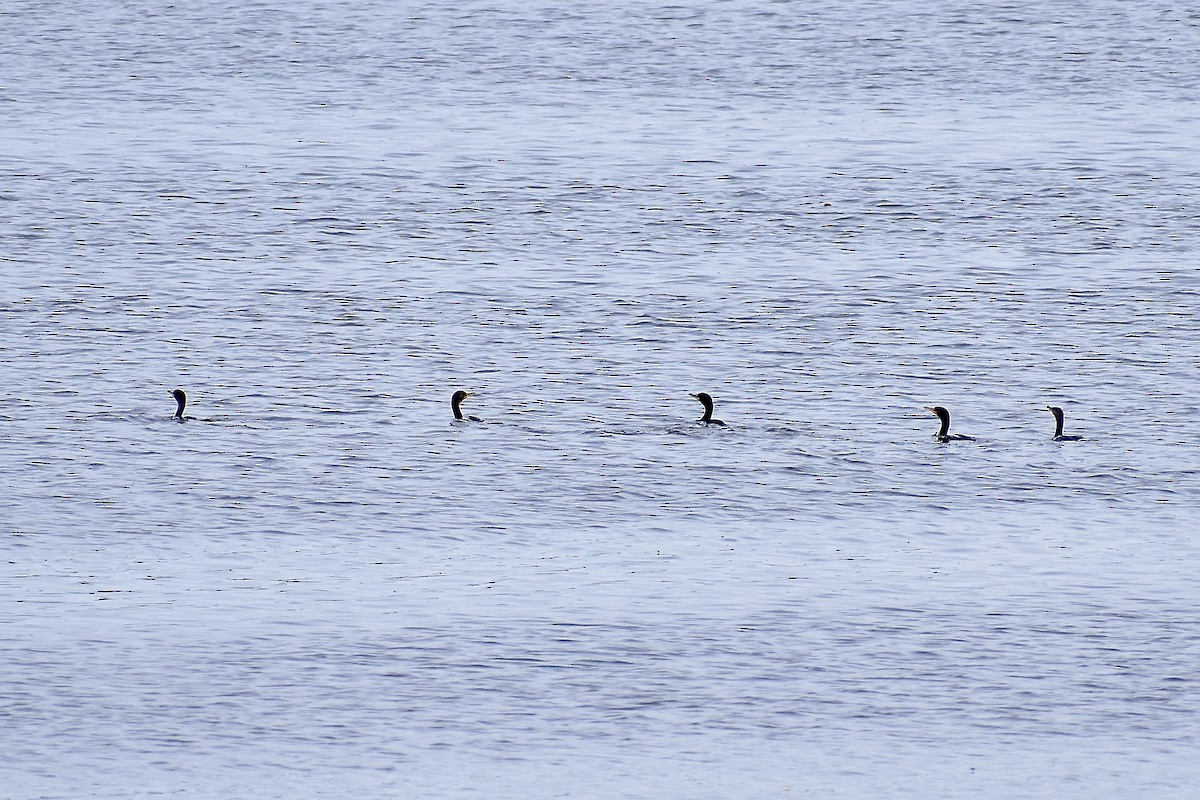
<point>706,400</point>
<point>944,434</point>
<point>1058,426</point>
<point>456,406</point>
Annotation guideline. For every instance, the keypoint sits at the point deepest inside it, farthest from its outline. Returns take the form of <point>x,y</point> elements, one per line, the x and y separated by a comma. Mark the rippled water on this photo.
<point>321,219</point>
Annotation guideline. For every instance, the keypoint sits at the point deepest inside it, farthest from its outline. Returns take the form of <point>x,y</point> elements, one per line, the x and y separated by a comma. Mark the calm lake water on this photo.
<point>320,219</point>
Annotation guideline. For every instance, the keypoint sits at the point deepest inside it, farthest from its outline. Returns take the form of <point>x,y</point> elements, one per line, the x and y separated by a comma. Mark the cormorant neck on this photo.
<point>945,429</point>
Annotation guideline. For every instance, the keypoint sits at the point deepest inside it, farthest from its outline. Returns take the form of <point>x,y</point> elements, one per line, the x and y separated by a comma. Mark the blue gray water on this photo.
<point>320,219</point>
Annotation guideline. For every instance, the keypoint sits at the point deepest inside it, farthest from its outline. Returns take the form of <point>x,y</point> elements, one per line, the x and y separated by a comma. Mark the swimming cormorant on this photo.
<point>944,434</point>
<point>181,401</point>
<point>456,403</point>
<point>706,400</point>
<point>1058,426</point>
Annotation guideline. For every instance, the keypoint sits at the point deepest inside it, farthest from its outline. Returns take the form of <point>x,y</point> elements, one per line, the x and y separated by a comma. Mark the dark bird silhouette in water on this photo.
<point>706,400</point>
<point>944,434</point>
<point>180,403</point>
<point>1058,426</point>
<point>456,405</point>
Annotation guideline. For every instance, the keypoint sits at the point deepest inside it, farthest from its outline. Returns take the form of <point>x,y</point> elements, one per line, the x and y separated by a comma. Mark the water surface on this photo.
<point>321,220</point>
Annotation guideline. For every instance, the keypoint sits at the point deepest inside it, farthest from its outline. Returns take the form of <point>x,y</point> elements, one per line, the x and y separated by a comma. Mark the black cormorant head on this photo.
<point>181,400</point>
<point>1058,419</point>
<point>943,415</point>
<point>705,400</point>
<point>456,402</point>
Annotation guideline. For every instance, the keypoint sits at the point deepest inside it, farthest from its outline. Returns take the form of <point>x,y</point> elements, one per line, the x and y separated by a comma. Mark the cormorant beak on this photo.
<point>930,410</point>
<point>696,396</point>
